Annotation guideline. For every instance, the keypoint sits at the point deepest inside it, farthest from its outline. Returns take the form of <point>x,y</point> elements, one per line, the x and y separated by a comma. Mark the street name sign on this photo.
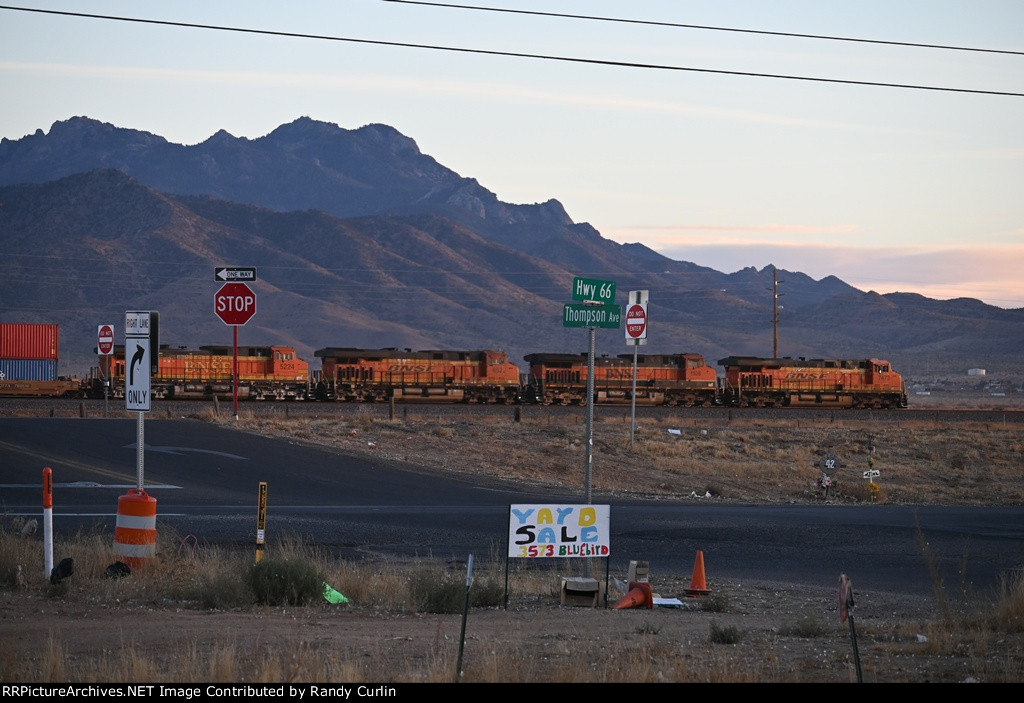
<point>608,315</point>
<point>593,290</point>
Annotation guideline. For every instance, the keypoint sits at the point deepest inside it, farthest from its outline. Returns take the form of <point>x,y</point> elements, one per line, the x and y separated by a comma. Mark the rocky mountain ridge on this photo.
<point>361,240</point>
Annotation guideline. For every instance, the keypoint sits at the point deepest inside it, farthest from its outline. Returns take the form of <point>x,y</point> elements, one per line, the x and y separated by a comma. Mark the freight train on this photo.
<point>28,363</point>
<point>860,383</point>
<point>687,380</point>
<point>264,373</point>
<point>671,379</point>
<point>350,374</point>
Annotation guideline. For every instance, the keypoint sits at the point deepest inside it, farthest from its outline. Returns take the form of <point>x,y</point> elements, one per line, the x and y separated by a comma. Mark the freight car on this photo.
<point>28,363</point>
<point>863,383</point>
<point>264,373</point>
<point>57,388</point>
<point>350,374</point>
<point>661,379</point>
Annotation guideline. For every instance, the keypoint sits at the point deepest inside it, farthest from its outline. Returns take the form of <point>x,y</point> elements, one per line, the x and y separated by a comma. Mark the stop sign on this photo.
<point>235,303</point>
<point>105,339</point>
<point>636,321</point>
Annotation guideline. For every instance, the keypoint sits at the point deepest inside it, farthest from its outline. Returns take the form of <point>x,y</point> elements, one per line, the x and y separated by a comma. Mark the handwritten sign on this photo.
<point>536,531</point>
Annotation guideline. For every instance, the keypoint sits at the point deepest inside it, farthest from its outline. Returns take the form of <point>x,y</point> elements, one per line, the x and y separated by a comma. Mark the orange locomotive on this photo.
<point>661,379</point>
<point>429,375</point>
<point>264,373</point>
<point>859,383</point>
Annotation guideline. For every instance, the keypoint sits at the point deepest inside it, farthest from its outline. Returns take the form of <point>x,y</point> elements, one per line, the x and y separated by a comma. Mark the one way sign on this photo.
<point>234,273</point>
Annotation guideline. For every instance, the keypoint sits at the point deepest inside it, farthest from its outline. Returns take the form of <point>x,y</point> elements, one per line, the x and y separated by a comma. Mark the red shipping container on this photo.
<point>21,340</point>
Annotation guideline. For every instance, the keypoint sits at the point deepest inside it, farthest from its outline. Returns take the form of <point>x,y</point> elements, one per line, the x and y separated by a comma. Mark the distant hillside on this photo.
<point>361,240</point>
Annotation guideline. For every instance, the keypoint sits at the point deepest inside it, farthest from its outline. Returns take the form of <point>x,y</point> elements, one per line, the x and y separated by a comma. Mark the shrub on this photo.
<point>440,592</point>
<point>728,634</point>
<point>807,627</point>
<point>276,581</point>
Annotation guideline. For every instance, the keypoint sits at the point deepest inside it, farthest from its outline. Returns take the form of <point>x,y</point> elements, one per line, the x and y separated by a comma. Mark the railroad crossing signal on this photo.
<point>235,303</point>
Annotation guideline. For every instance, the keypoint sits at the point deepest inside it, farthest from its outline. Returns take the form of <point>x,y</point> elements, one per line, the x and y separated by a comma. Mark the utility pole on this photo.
<point>775,313</point>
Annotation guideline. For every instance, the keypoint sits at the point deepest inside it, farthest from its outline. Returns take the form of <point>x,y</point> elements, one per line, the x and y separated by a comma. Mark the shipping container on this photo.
<point>28,369</point>
<point>24,341</point>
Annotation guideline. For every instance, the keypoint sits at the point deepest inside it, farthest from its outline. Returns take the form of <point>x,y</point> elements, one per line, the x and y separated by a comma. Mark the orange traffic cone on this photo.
<point>639,595</point>
<point>697,585</point>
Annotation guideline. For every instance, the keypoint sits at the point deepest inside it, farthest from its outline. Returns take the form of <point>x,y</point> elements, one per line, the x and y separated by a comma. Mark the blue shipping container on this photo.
<point>28,369</point>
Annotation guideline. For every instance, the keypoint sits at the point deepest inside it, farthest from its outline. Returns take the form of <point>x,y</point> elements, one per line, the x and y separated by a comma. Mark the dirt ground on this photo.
<point>740,632</point>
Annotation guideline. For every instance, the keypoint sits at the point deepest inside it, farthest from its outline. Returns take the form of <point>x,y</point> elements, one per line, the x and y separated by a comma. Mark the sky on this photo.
<point>891,165</point>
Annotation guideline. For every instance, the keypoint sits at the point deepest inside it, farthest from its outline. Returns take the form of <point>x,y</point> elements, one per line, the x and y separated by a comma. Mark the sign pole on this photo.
<point>594,308</point>
<point>140,365</point>
<point>590,428</point>
<point>234,372</point>
<point>636,334</point>
<point>632,423</point>
<point>140,445</point>
<point>47,521</point>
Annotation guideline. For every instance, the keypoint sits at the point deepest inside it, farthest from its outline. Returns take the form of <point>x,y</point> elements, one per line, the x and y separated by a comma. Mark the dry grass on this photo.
<point>188,617</point>
<point>751,460</point>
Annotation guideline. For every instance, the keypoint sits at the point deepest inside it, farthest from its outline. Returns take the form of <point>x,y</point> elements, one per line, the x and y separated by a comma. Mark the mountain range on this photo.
<point>361,240</point>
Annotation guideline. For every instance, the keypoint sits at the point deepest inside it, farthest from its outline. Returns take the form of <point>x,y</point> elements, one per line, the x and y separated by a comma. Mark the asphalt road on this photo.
<point>205,479</point>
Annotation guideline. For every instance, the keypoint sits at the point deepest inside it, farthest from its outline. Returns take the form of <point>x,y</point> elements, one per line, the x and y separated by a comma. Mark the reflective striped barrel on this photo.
<point>135,532</point>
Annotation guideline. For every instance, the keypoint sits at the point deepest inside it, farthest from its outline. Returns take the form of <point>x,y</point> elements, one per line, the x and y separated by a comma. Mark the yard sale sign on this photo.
<point>536,531</point>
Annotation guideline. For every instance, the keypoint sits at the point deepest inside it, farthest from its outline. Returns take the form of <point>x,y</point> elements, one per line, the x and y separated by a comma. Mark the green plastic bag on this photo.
<point>333,596</point>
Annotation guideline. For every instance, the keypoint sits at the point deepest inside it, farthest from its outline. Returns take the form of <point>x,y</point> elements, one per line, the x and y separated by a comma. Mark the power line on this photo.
<point>708,27</point>
<point>513,54</point>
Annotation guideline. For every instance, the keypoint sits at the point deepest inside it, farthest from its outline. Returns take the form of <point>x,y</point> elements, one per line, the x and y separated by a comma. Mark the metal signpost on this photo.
<point>596,309</point>
<point>105,347</point>
<point>235,304</point>
<point>636,334</point>
<point>138,369</point>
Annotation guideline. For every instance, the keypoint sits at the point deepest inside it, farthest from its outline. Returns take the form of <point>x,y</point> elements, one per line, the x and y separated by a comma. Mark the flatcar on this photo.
<point>859,383</point>
<point>264,373</point>
<point>661,379</point>
<point>350,374</point>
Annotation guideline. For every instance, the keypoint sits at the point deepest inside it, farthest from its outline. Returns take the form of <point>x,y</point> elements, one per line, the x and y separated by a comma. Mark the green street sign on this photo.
<point>593,290</point>
<point>608,315</point>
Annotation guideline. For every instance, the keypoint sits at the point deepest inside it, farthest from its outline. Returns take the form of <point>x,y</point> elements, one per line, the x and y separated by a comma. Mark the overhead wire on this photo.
<point>680,25</point>
<point>516,54</point>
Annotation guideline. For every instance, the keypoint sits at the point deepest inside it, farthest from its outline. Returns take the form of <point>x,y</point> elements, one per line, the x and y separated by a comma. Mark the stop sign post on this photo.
<point>235,304</point>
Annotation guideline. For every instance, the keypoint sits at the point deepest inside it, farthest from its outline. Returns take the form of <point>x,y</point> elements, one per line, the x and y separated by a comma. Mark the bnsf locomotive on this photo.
<point>428,375</point>
<point>488,376</point>
<point>864,383</point>
<point>264,373</point>
<point>671,379</point>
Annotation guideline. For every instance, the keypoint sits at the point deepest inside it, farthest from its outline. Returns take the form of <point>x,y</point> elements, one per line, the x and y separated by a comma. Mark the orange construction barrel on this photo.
<point>135,532</point>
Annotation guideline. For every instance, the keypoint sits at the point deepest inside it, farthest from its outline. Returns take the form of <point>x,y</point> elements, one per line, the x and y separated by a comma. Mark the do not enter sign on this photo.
<point>105,339</point>
<point>636,322</point>
<point>235,303</point>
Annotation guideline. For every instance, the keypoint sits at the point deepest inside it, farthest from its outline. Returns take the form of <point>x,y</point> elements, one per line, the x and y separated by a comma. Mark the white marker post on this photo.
<point>47,521</point>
